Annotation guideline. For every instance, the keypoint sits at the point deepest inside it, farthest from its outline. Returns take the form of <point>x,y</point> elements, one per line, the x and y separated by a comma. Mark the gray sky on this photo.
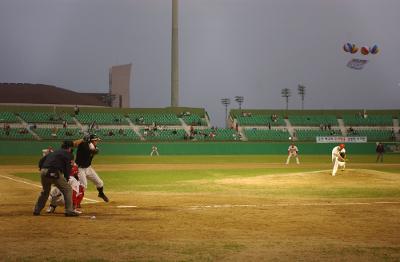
<point>252,48</point>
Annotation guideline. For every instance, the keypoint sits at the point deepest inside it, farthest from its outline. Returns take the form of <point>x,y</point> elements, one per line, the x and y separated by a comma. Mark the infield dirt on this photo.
<point>235,225</point>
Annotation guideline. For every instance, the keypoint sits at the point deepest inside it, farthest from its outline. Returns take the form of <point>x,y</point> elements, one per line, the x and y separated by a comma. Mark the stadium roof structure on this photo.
<point>25,93</point>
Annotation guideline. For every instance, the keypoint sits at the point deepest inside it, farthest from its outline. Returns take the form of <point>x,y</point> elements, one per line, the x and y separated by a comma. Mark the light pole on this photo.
<point>226,102</point>
<point>286,93</point>
<point>302,93</point>
<point>239,100</point>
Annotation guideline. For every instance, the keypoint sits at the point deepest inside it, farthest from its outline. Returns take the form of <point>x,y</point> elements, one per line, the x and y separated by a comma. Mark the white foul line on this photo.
<point>39,186</point>
<point>292,204</point>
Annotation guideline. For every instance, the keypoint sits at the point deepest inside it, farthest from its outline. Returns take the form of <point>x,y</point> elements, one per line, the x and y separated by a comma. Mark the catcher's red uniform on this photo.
<point>77,196</point>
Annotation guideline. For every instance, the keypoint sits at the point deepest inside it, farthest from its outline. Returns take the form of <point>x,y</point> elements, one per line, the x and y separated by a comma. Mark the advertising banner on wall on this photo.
<point>341,139</point>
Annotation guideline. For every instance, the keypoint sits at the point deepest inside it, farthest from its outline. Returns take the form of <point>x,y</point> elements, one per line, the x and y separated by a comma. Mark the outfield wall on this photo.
<point>188,148</point>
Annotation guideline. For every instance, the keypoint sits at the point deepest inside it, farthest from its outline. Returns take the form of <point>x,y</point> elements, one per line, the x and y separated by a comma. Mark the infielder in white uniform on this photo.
<point>293,151</point>
<point>338,158</point>
<point>154,151</point>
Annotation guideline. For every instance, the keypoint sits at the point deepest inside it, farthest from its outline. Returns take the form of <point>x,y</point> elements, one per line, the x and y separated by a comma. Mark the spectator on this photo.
<point>76,110</point>
<point>54,132</point>
<point>64,124</point>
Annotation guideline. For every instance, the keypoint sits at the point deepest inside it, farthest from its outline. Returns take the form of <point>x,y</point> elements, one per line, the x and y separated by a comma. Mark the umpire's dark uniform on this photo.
<point>55,169</point>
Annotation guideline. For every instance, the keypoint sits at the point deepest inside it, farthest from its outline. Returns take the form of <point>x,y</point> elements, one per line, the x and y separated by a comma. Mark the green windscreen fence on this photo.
<point>188,148</point>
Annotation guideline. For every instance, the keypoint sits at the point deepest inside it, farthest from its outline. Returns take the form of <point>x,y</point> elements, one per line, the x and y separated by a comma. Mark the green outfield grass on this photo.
<point>205,180</point>
<point>124,159</point>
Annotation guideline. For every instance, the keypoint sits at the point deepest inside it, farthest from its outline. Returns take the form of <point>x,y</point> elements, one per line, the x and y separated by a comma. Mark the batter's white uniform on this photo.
<point>337,160</point>
<point>89,173</point>
<point>293,151</point>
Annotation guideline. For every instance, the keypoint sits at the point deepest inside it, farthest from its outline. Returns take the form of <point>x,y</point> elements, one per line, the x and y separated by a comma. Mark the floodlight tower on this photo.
<point>175,56</point>
<point>239,100</point>
<point>226,102</point>
<point>302,93</point>
<point>286,93</point>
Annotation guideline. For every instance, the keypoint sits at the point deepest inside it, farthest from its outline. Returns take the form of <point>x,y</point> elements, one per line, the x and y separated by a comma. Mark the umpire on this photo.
<point>54,170</point>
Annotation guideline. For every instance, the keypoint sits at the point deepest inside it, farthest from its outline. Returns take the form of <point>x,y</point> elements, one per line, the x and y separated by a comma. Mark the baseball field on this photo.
<point>210,208</point>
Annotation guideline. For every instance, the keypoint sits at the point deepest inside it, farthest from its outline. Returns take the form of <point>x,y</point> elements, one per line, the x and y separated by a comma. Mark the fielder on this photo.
<point>87,149</point>
<point>338,158</point>
<point>293,151</point>
<point>154,151</point>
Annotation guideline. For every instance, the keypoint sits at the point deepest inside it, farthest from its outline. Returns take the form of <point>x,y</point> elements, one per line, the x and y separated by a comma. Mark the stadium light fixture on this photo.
<point>226,102</point>
<point>286,93</point>
<point>302,93</point>
<point>239,100</point>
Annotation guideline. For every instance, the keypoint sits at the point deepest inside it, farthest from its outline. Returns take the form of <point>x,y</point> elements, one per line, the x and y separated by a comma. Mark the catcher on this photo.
<point>56,197</point>
<point>338,158</point>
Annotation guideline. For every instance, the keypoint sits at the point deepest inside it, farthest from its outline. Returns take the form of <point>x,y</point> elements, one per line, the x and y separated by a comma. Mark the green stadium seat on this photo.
<point>266,134</point>
<point>311,134</point>
<point>163,135</point>
<point>15,134</point>
<point>45,117</point>
<point>217,134</point>
<point>259,120</point>
<point>374,134</point>
<point>8,117</point>
<point>312,120</point>
<point>158,119</point>
<point>102,118</point>
<point>109,134</point>
<point>58,133</point>
<point>370,120</point>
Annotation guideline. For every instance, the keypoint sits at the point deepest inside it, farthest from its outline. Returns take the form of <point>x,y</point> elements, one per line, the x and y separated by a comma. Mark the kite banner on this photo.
<point>357,64</point>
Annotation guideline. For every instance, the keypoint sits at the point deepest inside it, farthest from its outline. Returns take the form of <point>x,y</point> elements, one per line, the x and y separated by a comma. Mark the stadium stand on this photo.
<point>311,134</point>
<point>16,134</point>
<point>58,133</point>
<point>219,134</point>
<point>102,118</point>
<point>193,119</point>
<point>247,119</point>
<point>163,134</point>
<point>266,134</point>
<point>374,134</point>
<point>45,117</point>
<point>118,134</point>
<point>151,118</point>
<point>368,120</point>
<point>8,117</point>
<point>312,120</point>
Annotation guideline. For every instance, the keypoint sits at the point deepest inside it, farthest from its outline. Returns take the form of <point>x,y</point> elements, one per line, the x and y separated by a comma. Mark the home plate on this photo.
<point>126,206</point>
